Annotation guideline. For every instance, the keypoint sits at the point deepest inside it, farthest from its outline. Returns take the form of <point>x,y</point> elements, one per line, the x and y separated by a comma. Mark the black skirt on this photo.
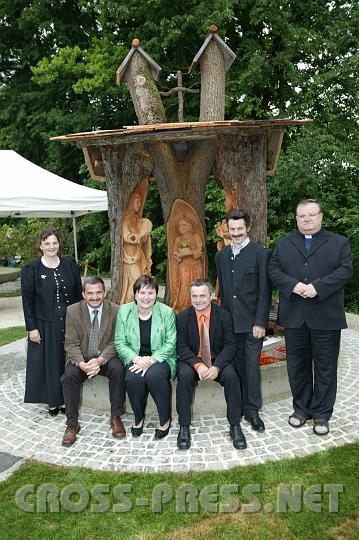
<point>46,361</point>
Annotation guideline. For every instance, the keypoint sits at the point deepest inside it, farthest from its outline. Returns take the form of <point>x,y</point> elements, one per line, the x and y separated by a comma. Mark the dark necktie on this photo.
<point>308,242</point>
<point>94,335</point>
<point>205,345</point>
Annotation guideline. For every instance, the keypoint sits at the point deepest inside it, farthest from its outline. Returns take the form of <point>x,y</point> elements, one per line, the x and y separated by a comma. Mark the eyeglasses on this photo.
<point>303,216</point>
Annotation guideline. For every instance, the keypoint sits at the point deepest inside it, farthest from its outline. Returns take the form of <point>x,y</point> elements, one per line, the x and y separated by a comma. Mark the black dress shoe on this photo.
<point>162,433</point>
<point>136,431</point>
<point>62,410</point>
<point>54,412</point>
<point>239,440</point>
<point>184,438</point>
<point>256,422</point>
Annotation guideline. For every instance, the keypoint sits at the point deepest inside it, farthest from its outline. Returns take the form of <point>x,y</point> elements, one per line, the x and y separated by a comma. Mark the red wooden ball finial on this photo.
<point>213,28</point>
<point>135,42</point>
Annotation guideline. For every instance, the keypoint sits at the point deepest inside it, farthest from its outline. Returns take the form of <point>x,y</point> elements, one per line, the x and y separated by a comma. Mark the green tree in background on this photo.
<point>295,59</point>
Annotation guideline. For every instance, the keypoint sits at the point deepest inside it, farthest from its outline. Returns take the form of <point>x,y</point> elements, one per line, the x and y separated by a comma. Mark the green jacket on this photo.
<point>163,334</point>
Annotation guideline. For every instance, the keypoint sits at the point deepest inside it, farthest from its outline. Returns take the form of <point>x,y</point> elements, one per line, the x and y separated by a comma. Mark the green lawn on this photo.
<point>7,335</point>
<point>311,513</point>
<point>9,294</point>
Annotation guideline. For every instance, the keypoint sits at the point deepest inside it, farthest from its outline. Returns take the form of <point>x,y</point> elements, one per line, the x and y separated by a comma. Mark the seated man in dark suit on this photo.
<point>206,347</point>
<point>90,351</point>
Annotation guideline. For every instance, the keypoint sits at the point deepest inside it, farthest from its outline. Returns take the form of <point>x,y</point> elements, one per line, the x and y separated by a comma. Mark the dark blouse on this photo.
<point>37,285</point>
<point>145,337</point>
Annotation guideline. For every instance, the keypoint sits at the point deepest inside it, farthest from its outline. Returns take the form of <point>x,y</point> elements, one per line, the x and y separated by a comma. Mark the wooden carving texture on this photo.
<point>186,260</point>
<point>230,203</point>
<point>241,167</point>
<point>125,167</point>
<point>136,242</point>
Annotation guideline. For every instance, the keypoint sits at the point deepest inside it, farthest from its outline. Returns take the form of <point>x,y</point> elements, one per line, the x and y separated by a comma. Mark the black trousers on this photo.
<point>247,364</point>
<point>312,357</point>
<point>187,378</point>
<point>156,381</point>
<point>74,377</point>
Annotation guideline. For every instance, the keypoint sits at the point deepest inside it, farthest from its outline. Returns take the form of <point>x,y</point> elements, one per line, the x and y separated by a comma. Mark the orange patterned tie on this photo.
<point>205,346</point>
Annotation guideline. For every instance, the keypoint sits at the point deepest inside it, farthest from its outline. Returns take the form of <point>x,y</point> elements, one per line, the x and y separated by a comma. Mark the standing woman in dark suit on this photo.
<point>48,284</point>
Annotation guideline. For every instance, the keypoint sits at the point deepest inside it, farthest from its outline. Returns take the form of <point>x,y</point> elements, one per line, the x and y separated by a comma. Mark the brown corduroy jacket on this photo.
<point>78,327</point>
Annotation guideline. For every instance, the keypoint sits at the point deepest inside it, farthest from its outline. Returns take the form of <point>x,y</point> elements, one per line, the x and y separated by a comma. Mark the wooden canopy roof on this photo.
<point>91,141</point>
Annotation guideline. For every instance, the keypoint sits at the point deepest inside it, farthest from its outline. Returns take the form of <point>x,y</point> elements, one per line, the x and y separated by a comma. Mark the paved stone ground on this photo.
<point>27,431</point>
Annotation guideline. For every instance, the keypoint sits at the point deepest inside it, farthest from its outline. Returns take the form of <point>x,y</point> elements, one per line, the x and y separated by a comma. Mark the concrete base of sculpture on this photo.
<point>209,398</point>
<point>9,274</point>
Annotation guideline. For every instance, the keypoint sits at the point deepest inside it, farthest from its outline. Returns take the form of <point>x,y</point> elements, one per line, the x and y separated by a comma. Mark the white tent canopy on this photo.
<point>27,190</point>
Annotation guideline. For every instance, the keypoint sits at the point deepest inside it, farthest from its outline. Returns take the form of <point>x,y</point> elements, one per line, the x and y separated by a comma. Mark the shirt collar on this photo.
<point>91,309</point>
<point>206,313</point>
<point>235,251</point>
<point>311,235</point>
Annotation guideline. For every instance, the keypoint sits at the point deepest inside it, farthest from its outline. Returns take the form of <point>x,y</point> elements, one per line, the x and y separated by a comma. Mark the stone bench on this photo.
<point>209,398</point>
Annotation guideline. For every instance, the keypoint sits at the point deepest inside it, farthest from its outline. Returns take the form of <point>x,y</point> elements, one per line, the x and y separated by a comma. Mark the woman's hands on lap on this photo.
<point>140,364</point>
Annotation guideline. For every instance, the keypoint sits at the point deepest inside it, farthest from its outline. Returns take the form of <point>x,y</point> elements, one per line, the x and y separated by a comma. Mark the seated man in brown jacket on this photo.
<point>90,351</point>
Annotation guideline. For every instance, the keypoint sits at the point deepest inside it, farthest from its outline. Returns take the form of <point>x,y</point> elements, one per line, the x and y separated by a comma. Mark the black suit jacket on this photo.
<point>222,340</point>
<point>37,288</point>
<point>328,266</point>
<point>244,287</point>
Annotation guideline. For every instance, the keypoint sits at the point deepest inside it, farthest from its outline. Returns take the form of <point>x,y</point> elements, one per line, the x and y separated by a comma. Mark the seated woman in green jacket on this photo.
<point>145,340</point>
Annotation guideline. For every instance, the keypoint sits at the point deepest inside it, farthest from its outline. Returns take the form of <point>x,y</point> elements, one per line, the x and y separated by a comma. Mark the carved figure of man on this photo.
<point>310,268</point>
<point>222,232</point>
<point>136,241</point>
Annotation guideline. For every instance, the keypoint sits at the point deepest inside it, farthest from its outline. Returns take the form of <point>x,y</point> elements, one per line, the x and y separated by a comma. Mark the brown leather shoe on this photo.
<point>70,435</point>
<point>118,429</point>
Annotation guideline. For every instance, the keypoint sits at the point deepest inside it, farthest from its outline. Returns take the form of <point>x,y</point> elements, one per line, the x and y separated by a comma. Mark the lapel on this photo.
<point>134,324</point>
<point>298,241</point>
<point>105,317</point>
<point>156,324</point>
<point>85,318</point>
<point>213,323</point>
<point>193,328</point>
<point>319,241</point>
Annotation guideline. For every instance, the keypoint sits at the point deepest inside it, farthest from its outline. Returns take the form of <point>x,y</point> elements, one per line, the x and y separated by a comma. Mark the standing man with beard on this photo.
<point>310,268</point>
<point>245,291</point>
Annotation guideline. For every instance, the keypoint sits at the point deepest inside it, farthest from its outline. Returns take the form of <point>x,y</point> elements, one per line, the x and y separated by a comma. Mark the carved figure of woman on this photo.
<point>188,255</point>
<point>136,252</point>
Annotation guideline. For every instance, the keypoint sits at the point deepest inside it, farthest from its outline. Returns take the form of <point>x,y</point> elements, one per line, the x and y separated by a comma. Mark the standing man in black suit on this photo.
<point>310,268</point>
<point>245,291</point>
<point>206,348</point>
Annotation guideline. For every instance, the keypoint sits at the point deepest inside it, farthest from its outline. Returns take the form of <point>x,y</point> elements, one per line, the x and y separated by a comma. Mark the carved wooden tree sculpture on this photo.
<point>245,152</point>
<point>182,177</point>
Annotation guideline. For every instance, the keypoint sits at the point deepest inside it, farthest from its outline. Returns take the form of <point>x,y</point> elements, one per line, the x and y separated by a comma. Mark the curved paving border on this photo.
<point>27,430</point>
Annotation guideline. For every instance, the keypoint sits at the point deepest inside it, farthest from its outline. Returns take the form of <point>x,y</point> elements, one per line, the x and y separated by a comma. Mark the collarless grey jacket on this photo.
<point>244,285</point>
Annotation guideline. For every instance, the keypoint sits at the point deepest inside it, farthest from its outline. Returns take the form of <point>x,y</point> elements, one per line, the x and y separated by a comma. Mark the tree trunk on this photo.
<point>212,83</point>
<point>146,99</point>
<point>125,166</point>
<point>186,180</point>
<point>241,167</point>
